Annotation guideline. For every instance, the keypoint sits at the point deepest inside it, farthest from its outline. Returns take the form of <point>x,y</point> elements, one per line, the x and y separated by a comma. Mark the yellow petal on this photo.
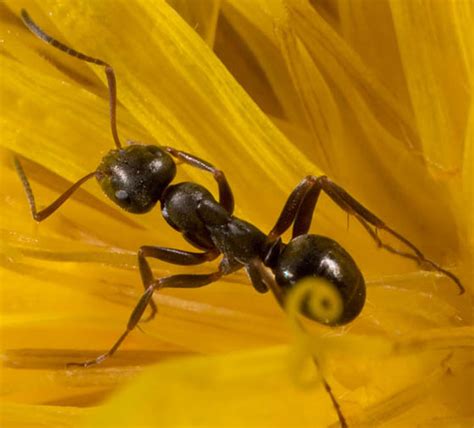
<point>426,47</point>
<point>17,415</point>
<point>248,389</point>
<point>202,16</point>
<point>70,283</point>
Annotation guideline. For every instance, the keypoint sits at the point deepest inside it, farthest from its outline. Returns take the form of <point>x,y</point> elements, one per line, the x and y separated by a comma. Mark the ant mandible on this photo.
<point>138,176</point>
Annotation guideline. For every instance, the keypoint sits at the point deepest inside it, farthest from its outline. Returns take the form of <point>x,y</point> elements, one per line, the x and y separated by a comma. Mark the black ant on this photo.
<point>138,176</point>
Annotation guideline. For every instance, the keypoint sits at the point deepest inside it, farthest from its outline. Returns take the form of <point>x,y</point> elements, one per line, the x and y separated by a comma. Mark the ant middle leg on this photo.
<point>169,255</point>
<point>174,281</point>
<point>300,206</point>
<point>226,198</point>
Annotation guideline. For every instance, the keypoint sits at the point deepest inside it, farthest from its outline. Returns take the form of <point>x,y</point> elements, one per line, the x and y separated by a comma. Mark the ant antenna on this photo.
<point>109,72</point>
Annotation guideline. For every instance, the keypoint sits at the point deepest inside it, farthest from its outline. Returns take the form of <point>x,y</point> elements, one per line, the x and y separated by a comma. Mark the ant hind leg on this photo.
<point>366,218</point>
<point>299,209</point>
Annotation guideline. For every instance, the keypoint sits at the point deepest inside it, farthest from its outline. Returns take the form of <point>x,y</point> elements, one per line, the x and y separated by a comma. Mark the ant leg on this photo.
<point>263,281</point>
<point>305,212</point>
<point>169,255</point>
<point>50,209</point>
<point>174,281</point>
<point>109,72</point>
<point>298,209</point>
<point>300,206</point>
<point>226,198</point>
<point>364,216</point>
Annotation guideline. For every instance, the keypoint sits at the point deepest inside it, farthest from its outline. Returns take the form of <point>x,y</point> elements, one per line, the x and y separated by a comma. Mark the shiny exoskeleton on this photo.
<point>137,177</point>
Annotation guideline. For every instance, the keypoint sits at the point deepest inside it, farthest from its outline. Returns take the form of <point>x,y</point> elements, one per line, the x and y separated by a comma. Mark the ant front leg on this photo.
<point>226,198</point>
<point>174,281</point>
<point>169,255</point>
<point>50,209</point>
<point>300,206</point>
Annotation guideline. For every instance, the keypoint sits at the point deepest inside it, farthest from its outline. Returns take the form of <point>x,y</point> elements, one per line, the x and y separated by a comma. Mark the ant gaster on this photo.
<point>139,176</point>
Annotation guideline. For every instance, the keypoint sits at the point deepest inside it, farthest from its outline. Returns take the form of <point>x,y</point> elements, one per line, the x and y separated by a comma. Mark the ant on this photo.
<point>137,177</point>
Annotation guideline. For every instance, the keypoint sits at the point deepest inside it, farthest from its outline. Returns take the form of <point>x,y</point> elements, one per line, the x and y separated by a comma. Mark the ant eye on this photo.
<point>121,195</point>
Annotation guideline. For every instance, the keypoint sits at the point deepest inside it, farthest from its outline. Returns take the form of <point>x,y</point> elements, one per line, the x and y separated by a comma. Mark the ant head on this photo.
<point>135,177</point>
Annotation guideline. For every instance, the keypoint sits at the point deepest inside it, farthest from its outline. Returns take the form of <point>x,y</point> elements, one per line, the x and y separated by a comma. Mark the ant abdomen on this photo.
<point>135,177</point>
<point>337,294</point>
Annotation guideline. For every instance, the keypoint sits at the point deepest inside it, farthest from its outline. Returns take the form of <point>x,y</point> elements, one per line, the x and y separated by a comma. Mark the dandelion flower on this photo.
<point>377,95</point>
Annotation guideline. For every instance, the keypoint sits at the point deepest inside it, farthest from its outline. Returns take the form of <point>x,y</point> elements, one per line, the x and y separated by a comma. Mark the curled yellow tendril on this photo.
<point>318,296</point>
<point>324,302</point>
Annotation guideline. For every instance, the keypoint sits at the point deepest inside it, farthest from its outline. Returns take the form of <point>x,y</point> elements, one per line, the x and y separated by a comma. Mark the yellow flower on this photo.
<point>375,94</point>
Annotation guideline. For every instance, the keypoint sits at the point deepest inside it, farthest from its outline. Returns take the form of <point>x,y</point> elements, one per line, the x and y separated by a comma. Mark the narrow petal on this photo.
<point>427,43</point>
<point>202,16</point>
